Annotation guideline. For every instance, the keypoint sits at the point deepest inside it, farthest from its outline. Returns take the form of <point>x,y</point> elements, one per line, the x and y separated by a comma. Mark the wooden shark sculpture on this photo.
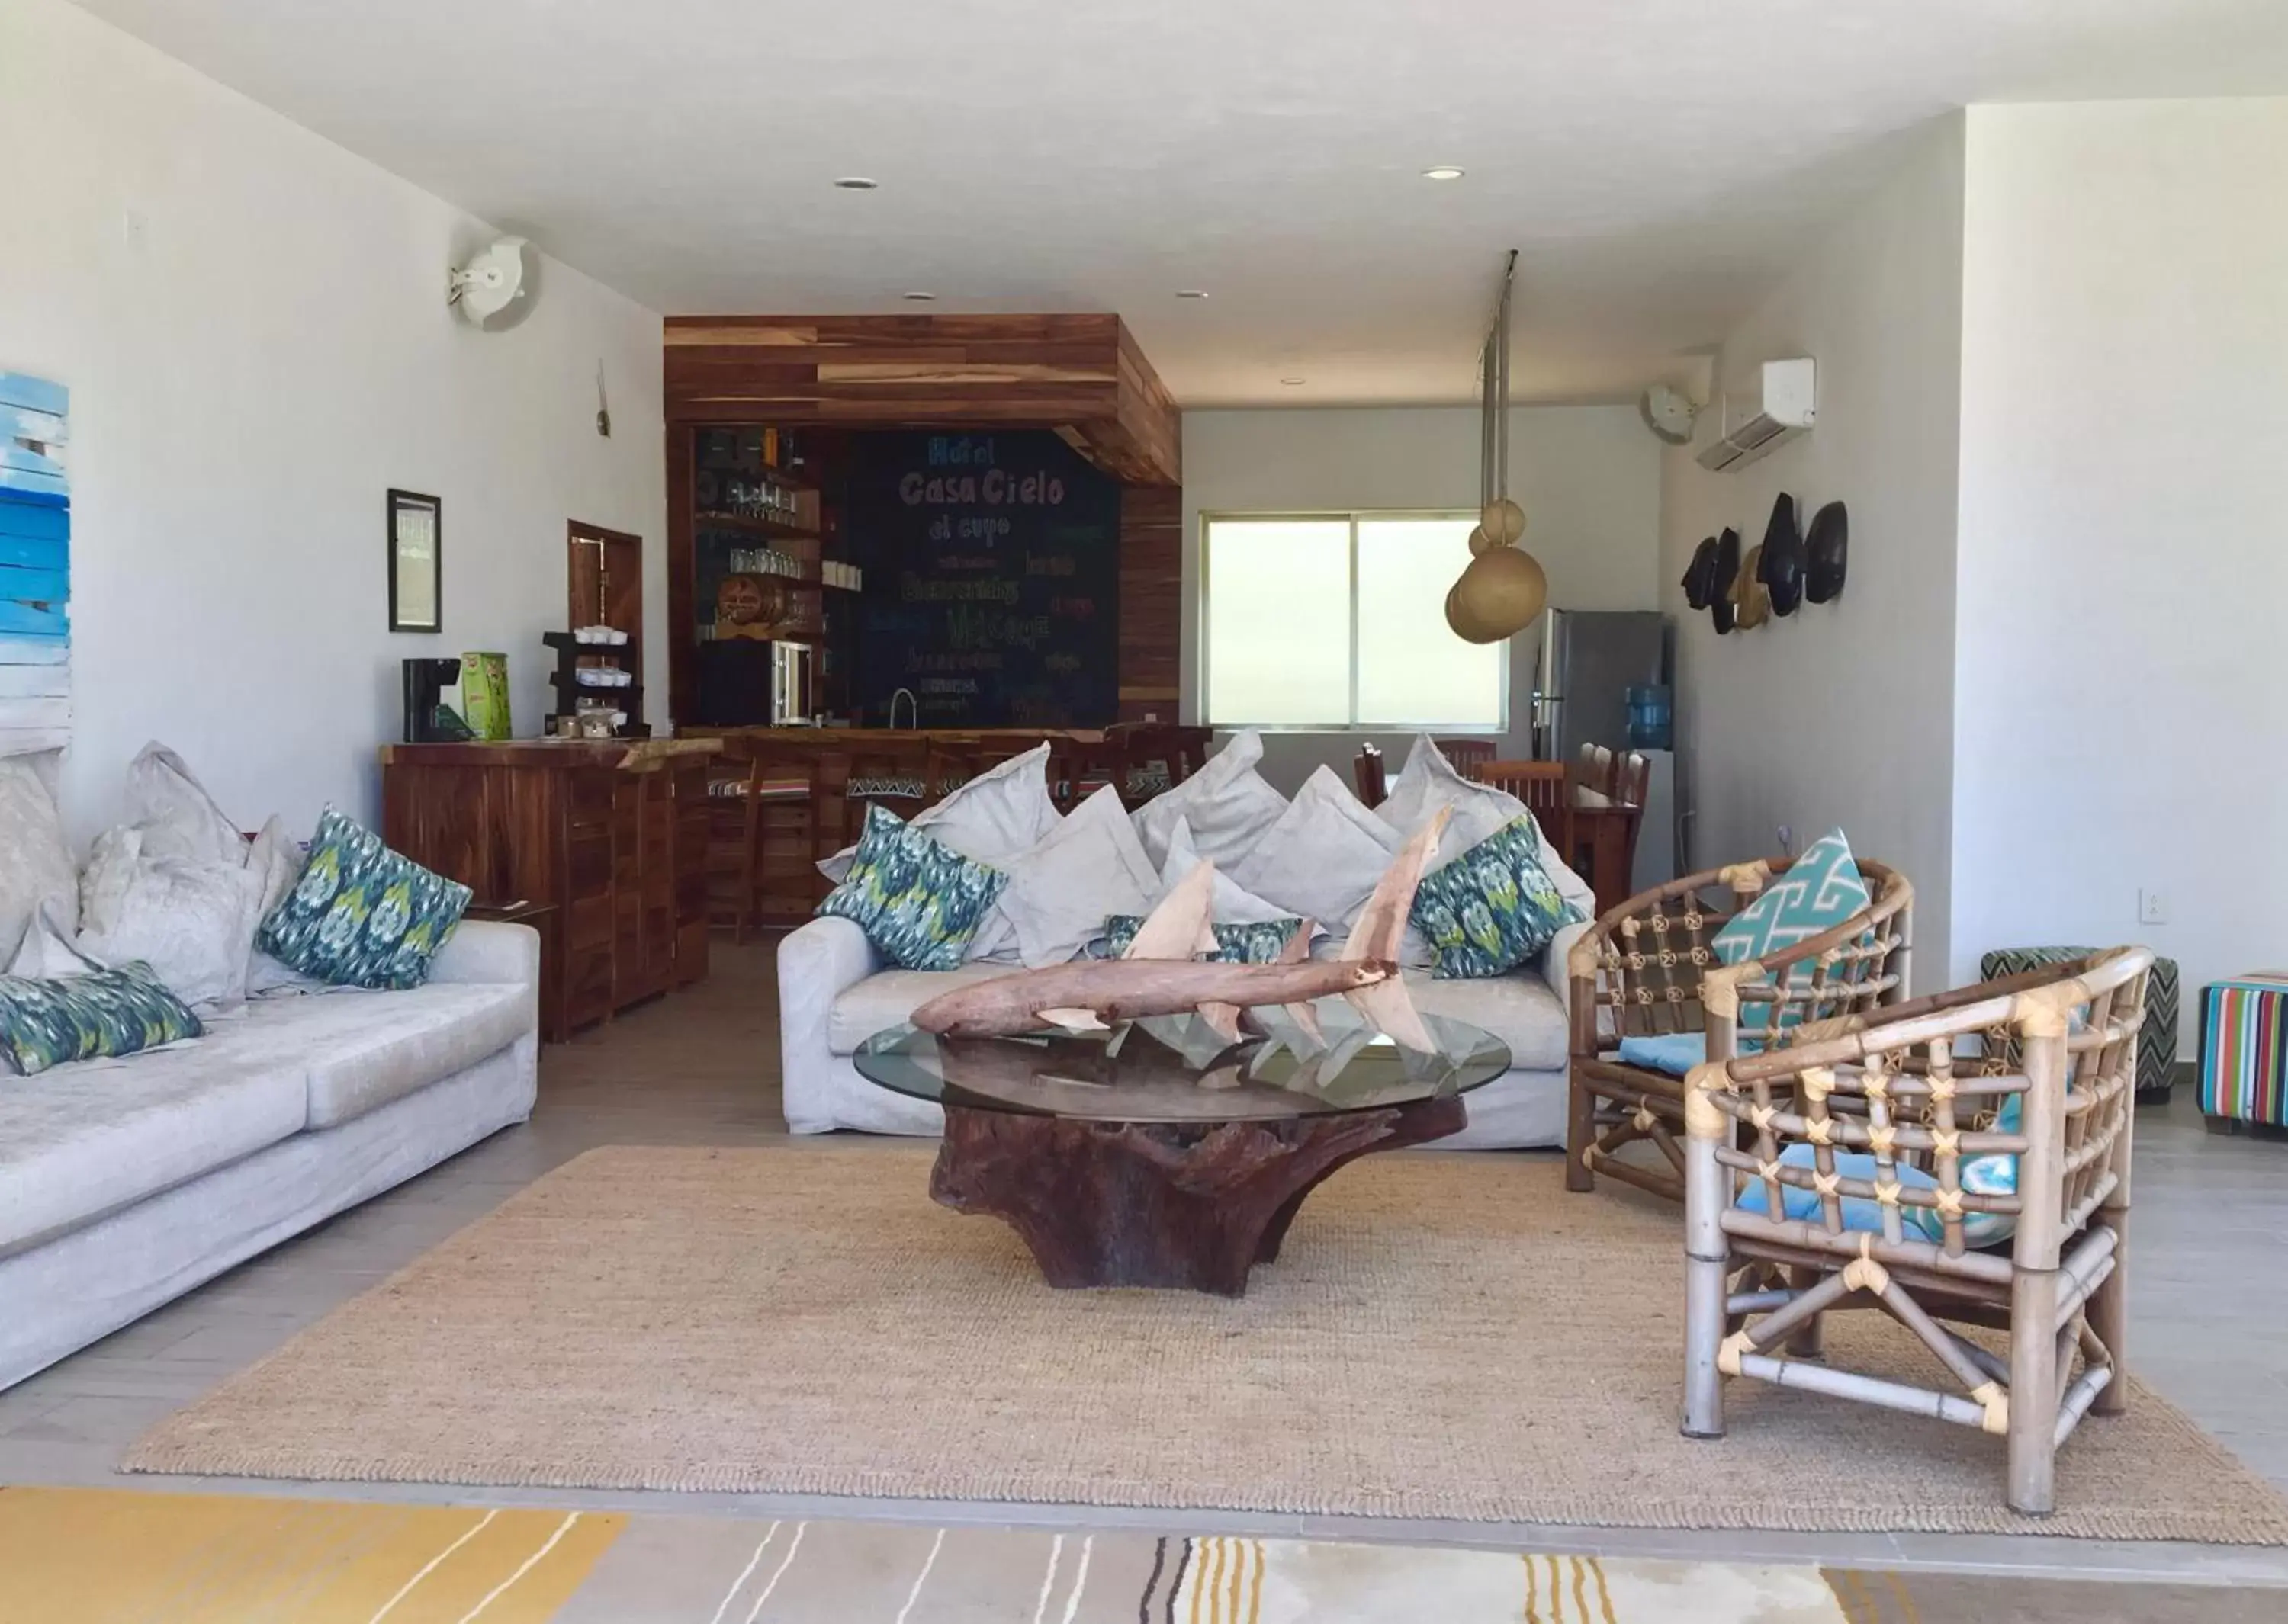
<point>1160,976</point>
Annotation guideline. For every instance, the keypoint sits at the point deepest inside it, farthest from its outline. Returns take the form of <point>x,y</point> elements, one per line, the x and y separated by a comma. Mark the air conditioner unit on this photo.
<point>1782,407</point>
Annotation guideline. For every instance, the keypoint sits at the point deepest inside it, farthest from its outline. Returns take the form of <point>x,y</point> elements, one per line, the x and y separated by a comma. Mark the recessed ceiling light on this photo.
<point>857,183</point>
<point>919,298</point>
<point>1443,171</point>
<point>1191,293</point>
<point>1290,382</point>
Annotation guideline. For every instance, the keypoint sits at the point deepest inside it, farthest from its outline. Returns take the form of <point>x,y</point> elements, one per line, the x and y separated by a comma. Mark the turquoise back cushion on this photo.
<point>1236,944</point>
<point>1493,908</point>
<point>80,1018</point>
<point>1820,890</point>
<point>919,901</point>
<point>362,915</point>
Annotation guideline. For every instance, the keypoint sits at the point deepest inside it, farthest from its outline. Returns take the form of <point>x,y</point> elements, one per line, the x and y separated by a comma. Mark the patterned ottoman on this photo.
<point>2244,1049</point>
<point>2156,1045</point>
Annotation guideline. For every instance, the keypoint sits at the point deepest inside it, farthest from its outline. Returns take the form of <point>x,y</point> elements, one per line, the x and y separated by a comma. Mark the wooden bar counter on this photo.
<point>611,834</point>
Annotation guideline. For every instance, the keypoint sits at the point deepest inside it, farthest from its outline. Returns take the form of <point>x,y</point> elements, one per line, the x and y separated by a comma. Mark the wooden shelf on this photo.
<point>778,529</point>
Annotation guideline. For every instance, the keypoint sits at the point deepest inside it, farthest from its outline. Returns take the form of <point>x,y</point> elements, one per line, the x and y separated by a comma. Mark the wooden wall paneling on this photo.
<point>1083,372</point>
<point>1151,601</point>
<point>682,642</point>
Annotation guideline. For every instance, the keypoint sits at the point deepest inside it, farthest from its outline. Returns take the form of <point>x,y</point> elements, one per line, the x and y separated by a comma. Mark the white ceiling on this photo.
<point>1657,162</point>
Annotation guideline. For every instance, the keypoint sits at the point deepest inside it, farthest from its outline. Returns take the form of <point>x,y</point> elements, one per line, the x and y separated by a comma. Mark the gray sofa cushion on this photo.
<point>364,1049</point>
<point>1520,1009</point>
<point>886,997</point>
<point>86,1139</point>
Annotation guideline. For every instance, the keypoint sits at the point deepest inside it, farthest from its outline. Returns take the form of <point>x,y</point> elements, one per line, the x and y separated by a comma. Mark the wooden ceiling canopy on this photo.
<point>1082,375</point>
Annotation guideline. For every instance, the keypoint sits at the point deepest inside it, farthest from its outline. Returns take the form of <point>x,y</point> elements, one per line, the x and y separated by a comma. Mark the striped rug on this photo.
<point>72,1555</point>
<point>115,1557</point>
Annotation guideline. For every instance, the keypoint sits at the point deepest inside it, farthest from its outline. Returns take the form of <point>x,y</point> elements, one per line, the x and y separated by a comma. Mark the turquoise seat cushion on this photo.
<point>1236,944</point>
<point>104,1013</point>
<point>918,900</point>
<point>1820,890</point>
<point>1675,1053</point>
<point>1990,1175</point>
<point>362,915</point>
<point>1493,908</point>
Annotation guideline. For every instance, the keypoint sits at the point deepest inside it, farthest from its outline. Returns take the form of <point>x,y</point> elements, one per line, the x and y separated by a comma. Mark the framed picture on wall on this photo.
<point>416,565</point>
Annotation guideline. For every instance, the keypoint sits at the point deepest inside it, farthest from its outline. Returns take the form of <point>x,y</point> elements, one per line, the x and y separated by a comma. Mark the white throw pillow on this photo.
<point>178,818</point>
<point>994,817</point>
<point>1427,783</point>
<point>47,953</point>
<point>36,862</point>
<point>1089,867</point>
<point>1234,904</point>
<point>1227,803</point>
<point>276,859</point>
<point>192,923</point>
<point>1325,856</point>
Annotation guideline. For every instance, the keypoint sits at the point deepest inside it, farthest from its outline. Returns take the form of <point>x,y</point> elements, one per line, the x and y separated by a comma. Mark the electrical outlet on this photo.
<point>1787,840</point>
<point>2152,907</point>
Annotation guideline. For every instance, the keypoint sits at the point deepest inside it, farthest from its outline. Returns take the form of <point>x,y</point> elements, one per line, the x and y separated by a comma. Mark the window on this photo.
<point>1338,620</point>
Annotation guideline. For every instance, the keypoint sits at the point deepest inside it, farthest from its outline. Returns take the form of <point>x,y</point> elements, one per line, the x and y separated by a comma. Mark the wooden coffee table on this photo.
<point>1158,1155</point>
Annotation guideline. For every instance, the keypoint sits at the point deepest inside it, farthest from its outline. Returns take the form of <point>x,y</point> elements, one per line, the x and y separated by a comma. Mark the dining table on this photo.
<point>1602,839</point>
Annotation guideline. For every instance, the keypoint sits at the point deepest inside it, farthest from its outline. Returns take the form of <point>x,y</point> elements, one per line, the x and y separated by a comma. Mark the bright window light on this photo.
<point>1338,621</point>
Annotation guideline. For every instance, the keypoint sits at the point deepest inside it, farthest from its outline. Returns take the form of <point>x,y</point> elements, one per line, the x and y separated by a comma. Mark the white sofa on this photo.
<point>834,994</point>
<point>125,1183</point>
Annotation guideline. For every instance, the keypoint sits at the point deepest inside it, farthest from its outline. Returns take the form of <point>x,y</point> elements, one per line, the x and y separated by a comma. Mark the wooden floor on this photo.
<point>2210,1306</point>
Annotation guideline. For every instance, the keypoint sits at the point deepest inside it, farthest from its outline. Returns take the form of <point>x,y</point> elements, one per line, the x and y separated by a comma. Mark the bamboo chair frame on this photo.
<point>1648,968</point>
<point>1889,1083</point>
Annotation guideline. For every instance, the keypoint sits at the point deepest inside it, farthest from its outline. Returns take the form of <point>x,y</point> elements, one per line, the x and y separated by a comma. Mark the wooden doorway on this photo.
<point>604,576</point>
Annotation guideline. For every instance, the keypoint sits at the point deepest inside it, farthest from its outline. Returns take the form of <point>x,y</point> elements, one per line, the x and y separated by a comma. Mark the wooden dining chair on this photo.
<point>1465,755</point>
<point>1366,774</point>
<point>1632,782</point>
<point>1594,768</point>
<point>1546,788</point>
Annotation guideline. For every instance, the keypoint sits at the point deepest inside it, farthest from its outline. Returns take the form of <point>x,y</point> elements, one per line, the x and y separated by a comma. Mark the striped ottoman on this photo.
<point>2244,1049</point>
<point>2157,1044</point>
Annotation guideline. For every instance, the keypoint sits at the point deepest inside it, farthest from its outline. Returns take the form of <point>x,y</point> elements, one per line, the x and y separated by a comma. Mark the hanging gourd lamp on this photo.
<point>1503,591</point>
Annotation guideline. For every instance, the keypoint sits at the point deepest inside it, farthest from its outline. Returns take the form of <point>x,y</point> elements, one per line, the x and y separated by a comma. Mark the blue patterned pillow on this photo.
<point>1236,944</point>
<point>1493,908</point>
<point>1820,890</point>
<point>362,915</point>
<point>116,1012</point>
<point>919,901</point>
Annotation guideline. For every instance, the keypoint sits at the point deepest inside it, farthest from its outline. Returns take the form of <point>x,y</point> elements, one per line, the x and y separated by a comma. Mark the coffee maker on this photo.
<point>428,719</point>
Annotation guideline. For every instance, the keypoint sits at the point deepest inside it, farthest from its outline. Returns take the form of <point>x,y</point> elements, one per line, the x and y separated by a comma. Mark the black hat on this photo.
<point>1721,607</point>
<point>1783,560</point>
<point>1700,575</point>
<point>1827,550</point>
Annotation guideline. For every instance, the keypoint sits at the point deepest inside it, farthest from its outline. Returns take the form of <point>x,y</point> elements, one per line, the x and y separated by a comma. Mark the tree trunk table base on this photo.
<point>1187,1205</point>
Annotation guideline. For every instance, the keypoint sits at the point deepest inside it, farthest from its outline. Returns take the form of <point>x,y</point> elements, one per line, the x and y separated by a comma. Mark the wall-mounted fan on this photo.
<point>498,288</point>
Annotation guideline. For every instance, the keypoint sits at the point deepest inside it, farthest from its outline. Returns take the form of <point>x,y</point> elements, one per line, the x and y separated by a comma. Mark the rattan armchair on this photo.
<point>1647,969</point>
<point>1878,1110</point>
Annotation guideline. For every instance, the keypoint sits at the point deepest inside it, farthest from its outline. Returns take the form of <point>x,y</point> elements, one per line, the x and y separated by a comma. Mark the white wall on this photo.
<point>2120,691</point>
<point>1587,475</point>
<point>252,324</point>
<point>1842,714</point>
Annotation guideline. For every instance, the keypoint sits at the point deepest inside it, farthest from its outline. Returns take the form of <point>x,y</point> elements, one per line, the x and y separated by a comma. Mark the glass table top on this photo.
<point>1176,1068</point>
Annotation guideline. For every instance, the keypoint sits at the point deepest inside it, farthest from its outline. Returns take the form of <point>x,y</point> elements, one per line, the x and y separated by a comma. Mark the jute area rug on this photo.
<point>1445,1337</point>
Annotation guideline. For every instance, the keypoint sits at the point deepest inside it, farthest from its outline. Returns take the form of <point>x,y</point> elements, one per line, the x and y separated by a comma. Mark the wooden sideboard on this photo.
<point>611,833</point>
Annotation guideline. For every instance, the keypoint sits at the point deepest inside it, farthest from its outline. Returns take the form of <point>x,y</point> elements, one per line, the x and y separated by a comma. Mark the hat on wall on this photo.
<point>1728,571</point>
<point>1752,605</point>
<point>1827,550</point>
<point>1699,581</point>
<point>1781,565</point>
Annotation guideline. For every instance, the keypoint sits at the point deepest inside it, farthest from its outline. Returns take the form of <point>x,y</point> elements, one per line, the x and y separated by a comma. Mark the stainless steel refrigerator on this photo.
<point>1589,661</point>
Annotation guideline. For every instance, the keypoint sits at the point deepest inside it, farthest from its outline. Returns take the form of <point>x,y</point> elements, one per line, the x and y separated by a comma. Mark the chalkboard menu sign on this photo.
<point>992,588</point>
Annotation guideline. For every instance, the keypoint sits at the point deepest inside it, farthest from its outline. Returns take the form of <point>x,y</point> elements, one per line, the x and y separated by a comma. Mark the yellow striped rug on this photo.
<point>71,1555</point>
